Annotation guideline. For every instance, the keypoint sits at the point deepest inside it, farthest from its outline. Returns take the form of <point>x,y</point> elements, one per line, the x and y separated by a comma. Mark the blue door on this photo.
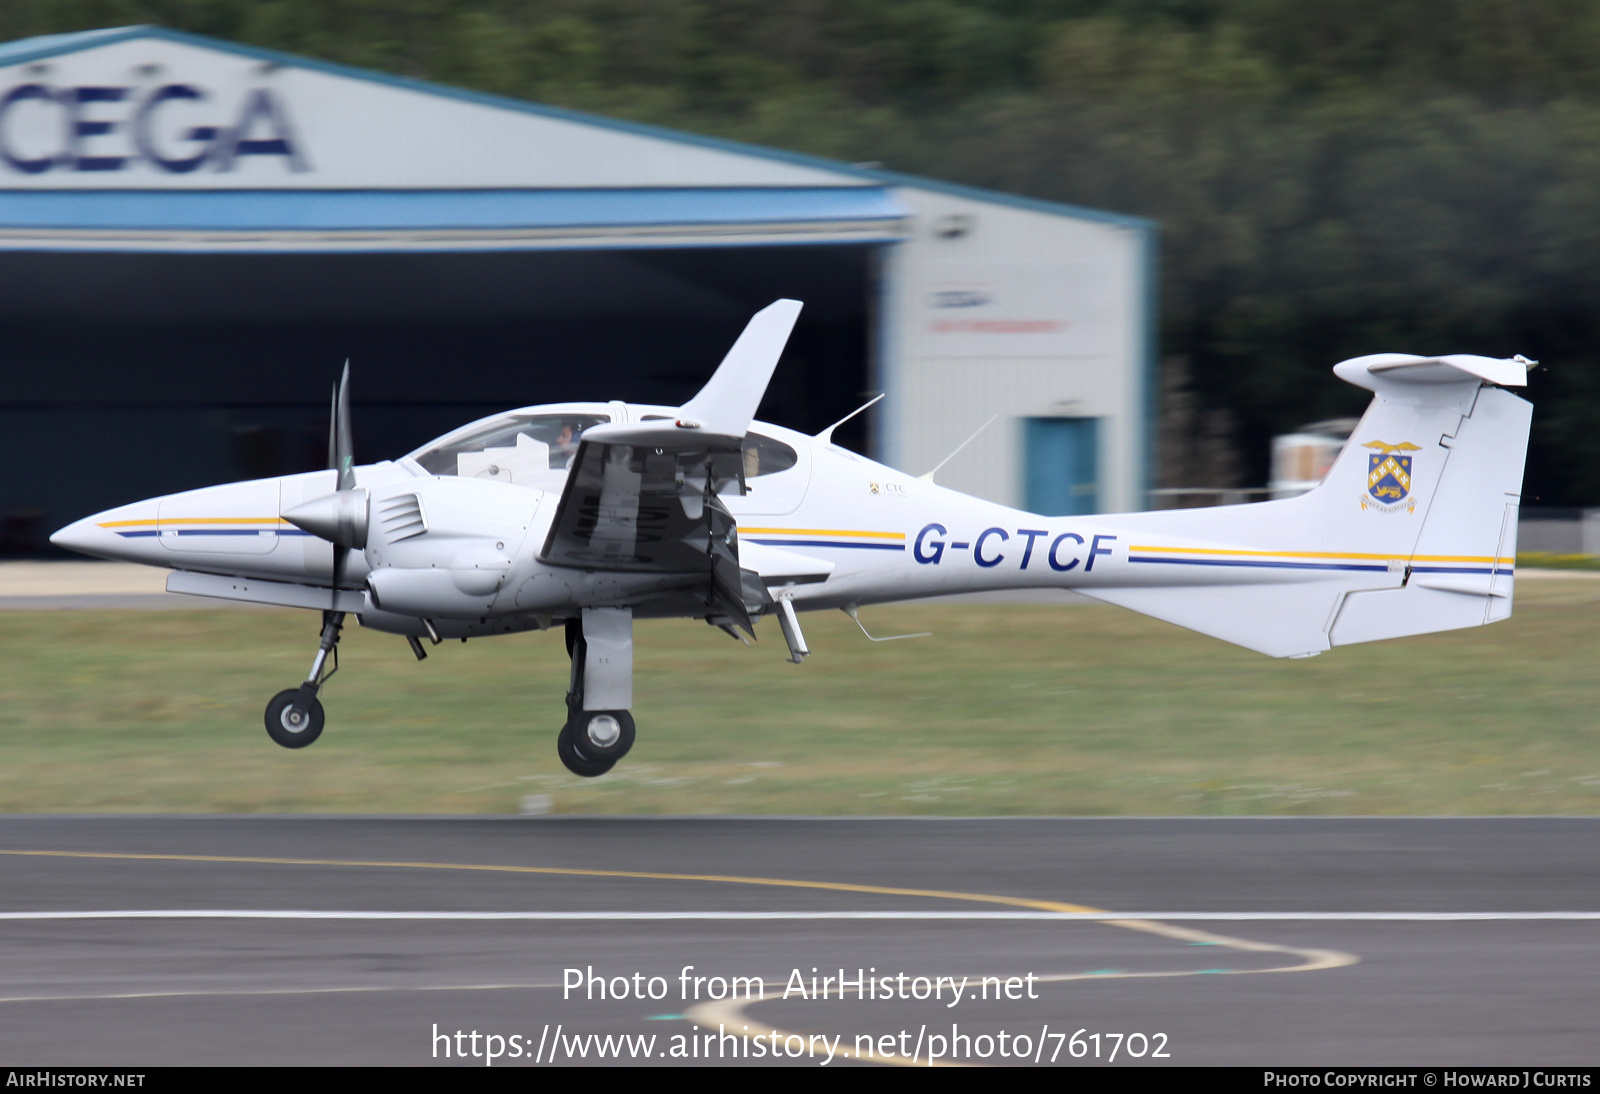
<point>1058,458</point>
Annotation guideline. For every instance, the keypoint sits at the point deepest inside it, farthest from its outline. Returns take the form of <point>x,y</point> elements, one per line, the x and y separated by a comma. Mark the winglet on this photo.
<point>729,400</point>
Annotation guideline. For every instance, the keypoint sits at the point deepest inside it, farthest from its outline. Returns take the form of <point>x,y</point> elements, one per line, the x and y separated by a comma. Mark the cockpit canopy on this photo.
<point>535,449</point>
<point>512,448</point>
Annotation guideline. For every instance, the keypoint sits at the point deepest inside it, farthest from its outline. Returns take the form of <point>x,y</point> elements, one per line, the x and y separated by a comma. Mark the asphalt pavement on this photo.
<point>131,941</point>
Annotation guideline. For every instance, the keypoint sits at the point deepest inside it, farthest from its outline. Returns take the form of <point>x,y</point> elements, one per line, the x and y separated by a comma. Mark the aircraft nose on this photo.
<point>125,534</point>
<point>83,536</point>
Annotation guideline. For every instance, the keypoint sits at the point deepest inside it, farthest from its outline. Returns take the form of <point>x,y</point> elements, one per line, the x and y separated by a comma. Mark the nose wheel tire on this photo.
<point>575,761</point>
<point>290,728</point>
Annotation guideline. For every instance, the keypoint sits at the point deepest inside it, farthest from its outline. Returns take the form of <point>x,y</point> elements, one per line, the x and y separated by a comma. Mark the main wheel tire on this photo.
<point>281,724</point>
<point>602,734</point>
<point>575,761</point>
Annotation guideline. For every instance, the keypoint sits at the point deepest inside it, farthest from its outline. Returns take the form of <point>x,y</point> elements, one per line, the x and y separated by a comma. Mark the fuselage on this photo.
<point>458,527</point>
<point>888,535</point>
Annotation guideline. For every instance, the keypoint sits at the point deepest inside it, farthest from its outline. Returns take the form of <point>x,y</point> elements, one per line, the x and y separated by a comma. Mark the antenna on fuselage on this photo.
<point>826,436</point>
<point>852,609</point>
<point>929,476</point>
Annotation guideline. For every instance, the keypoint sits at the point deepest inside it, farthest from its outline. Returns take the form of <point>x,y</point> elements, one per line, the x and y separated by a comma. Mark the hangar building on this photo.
<point>194,235</point>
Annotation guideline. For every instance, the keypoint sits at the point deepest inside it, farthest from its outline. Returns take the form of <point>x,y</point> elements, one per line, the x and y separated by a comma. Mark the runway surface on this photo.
<point>131,941</point>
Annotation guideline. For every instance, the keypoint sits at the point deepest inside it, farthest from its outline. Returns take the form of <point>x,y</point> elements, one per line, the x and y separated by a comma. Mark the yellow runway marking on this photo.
<point>787,883</point>
<point>1167,930</point>
<point>727,1012</point>
<point>730,1013</point>
<point>359,990</point>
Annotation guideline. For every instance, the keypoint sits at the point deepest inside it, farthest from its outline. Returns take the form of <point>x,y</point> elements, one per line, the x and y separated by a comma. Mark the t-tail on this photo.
<point>1413,531</point>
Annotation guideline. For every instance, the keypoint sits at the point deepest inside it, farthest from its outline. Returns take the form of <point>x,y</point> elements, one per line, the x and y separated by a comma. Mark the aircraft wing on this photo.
<point>643,507</point>
<point>642,496</point>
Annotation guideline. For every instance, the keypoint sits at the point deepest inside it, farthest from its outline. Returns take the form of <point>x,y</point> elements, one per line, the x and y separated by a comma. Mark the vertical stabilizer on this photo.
<point>1413,530</point>
<point>1461,568</point>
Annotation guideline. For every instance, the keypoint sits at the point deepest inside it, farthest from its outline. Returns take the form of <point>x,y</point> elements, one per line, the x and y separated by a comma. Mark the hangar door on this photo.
<point>1060,458</point>
<point>131,375</point>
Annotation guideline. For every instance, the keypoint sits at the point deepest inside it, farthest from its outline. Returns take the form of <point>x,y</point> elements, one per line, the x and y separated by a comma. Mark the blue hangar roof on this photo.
<point>321,220</point>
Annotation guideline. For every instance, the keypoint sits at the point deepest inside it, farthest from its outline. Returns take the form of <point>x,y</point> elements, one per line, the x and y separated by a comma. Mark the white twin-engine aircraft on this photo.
<point>597,514</point>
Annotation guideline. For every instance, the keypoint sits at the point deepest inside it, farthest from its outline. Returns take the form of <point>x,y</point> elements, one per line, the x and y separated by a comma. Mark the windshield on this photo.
<point>511,449</point>
<point>527,449</point>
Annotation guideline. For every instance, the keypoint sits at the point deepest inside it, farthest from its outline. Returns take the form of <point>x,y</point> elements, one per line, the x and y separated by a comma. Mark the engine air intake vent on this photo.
<point>402,518</point>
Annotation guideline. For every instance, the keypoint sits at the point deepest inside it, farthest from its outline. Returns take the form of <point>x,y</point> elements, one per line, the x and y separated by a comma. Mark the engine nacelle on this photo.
<point>442,548</point>
<point>447,592</point>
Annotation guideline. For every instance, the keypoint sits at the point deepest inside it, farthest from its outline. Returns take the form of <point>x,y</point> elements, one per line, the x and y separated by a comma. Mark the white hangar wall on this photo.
<point>1025,311</point>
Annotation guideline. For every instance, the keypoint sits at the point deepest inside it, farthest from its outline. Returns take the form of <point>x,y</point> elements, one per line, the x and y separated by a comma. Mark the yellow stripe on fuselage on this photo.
<point>193,520</point>
<point>819,532</point>
<point>1316,554</point>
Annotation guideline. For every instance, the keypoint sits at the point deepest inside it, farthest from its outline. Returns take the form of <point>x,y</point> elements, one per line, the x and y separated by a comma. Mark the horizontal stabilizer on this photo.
<point>1381,371</point>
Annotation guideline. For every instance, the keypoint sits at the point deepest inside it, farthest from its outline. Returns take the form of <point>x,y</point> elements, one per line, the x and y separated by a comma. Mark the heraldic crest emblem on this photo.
<point>1389,476</point>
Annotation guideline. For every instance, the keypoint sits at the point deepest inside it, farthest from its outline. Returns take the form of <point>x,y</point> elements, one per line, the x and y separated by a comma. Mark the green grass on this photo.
<point>1005,710</point>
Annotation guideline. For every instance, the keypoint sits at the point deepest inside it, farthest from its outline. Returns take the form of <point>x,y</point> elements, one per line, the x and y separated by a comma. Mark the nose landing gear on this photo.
<point>294,717</point>
<point>291,723</point>
<point>601,647</point>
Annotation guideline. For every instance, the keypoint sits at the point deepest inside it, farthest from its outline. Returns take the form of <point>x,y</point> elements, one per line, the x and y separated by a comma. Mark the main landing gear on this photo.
<point>599,729</point>
<point>294,717</point>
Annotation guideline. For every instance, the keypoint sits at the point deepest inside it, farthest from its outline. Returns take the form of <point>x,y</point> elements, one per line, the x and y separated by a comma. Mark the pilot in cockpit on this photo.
<point>565,446</point>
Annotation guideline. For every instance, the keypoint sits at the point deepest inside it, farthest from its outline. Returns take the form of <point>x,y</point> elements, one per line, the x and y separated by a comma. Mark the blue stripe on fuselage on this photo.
<point>816,543</point>
<point>1345,566</point>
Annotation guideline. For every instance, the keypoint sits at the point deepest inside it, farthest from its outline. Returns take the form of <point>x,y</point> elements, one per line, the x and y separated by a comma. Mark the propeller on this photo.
<point>341,446</point>
<point>339,517</point>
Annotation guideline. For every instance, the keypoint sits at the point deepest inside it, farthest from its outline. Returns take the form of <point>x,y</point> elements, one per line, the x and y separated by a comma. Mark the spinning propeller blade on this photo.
<point>340,517</point>
<point>333,423</point>
<point>341,458</point>
<point>341,446</point>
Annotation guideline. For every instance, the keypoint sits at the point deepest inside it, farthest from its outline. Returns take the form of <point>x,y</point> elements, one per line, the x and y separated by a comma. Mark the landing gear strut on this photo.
<point>294,717</point>
<point>599,730</point>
